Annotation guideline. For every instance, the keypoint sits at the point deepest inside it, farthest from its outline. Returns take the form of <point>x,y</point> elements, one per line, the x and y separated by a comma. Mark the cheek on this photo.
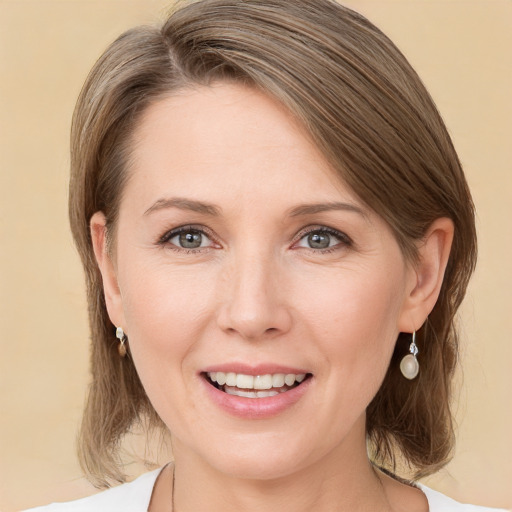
<point>165,310</point>
<point>354,324</point>
<point>166,313</point>
<point>355,320</point>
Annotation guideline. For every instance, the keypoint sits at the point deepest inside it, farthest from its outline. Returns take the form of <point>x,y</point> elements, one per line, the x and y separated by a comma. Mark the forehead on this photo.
<point>228,134</point>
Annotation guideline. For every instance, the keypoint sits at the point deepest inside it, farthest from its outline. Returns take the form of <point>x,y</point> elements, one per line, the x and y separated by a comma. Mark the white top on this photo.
<point>135,497</point>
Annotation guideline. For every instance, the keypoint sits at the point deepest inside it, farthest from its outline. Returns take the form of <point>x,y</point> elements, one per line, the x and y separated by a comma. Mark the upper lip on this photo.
<point>259,369</point>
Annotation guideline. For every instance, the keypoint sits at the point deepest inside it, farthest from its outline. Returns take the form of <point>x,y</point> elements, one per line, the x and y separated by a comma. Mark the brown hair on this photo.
<point>369,113</point>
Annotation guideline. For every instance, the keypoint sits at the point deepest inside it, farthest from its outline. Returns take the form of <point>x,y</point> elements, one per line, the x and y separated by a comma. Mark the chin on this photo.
<point>257,468</point>
<point>258,457</point>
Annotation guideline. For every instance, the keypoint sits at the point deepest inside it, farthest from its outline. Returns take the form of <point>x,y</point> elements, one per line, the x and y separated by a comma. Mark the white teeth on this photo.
<point>278,380</point>
<point>289,380</point>
<point>263,382</point>
<point>250,394</point>
<point>264,394</point>
<point>241,392</point>
<point>244,381</point>
<point>260,382</point>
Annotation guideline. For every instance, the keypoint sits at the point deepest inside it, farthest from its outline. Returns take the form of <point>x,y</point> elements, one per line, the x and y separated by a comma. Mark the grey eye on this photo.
<point>191,240</point>
<point>324,238</point>
<point>319,240</point>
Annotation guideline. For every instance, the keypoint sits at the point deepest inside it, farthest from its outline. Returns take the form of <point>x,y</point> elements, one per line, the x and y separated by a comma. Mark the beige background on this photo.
<point>462,49</point>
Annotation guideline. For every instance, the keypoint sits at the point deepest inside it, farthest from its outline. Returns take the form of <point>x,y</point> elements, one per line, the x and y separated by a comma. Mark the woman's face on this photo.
<point>241,256</point>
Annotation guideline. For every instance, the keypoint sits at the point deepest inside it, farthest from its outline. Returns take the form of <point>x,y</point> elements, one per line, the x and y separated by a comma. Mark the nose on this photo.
<point>254,299</point>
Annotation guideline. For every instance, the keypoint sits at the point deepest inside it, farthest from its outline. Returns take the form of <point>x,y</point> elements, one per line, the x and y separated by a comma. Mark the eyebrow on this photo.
<point>311,209</point>
<point>184,204</point>
<point>210,209</point>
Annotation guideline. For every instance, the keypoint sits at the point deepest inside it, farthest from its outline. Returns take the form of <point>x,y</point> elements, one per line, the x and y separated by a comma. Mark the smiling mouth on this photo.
<point>259,386</point>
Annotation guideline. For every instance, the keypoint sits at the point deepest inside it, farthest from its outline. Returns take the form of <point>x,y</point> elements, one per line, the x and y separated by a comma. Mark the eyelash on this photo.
<point>344,240</point>
<point>169,235</point>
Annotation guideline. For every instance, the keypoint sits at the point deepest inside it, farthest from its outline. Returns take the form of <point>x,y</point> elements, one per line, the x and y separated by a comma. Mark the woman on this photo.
<point>277,230</point>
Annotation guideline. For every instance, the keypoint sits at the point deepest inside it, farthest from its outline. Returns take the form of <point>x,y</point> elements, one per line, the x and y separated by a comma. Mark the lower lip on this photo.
<point>256,408</point>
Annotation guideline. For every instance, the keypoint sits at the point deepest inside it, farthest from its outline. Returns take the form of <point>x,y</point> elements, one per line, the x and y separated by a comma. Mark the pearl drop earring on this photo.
<point>121,336</point>
<point>409,365</point>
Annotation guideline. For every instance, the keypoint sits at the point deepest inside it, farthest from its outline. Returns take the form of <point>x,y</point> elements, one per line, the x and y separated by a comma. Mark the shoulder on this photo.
<point>440,503</point>
<point>131,497</point>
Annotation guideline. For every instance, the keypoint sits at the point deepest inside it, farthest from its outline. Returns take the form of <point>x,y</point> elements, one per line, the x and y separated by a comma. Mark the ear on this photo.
<point>113,300</point>
<point>427,275</point>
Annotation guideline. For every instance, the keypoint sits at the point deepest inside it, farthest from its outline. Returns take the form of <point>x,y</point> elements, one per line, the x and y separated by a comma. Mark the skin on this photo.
<point>256,292</point>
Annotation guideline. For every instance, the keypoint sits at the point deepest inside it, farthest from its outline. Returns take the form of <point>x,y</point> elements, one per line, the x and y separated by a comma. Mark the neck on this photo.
<point>342,480</point>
